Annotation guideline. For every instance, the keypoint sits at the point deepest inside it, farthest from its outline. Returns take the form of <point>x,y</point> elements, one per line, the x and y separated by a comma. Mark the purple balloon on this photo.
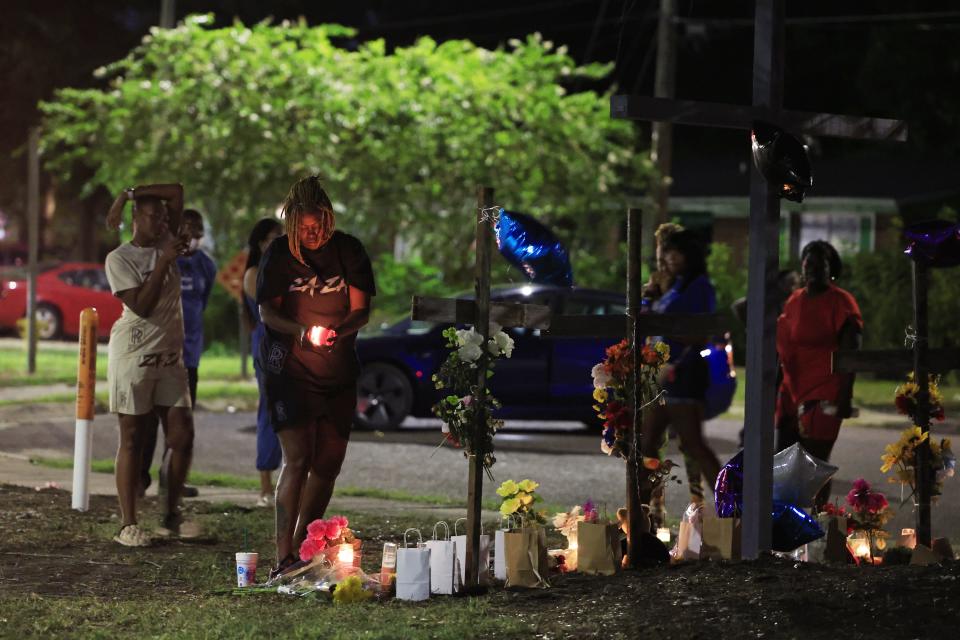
<point>729,488</point>
<point>935,243</point>
<point>792,527</point>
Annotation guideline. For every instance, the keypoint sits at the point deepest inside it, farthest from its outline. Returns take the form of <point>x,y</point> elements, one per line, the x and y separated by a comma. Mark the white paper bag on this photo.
<point>461,543</point>
<point>413,570</point>
<point>443,560</point>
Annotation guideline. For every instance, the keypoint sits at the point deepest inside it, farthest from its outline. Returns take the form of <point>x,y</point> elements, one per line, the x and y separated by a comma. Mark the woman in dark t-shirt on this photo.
<point>314,289</point>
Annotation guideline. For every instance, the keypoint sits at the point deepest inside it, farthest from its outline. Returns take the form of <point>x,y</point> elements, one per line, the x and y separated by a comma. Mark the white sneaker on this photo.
<point>265,500</point>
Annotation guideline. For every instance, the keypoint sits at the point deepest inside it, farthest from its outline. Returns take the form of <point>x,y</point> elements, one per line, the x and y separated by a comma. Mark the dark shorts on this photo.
<point>293,402</point>
<point>691,377</point>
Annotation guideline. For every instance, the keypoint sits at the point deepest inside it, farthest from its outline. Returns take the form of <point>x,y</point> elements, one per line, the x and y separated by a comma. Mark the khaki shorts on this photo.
<point>136,390</point>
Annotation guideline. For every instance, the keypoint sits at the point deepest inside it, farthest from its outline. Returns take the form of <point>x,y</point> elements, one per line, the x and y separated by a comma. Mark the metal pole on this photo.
<point>86,394</point>
<point>761,295</point>
<point>33,241</point>
<point>633,475</point>
<point>920,376</point>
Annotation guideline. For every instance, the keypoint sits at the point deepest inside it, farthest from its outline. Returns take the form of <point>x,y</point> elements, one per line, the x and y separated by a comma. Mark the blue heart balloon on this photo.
<point>792,527</point>
<point>531,247</point>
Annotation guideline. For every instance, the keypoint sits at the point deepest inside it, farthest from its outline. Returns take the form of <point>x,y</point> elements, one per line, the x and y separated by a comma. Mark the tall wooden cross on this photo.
<point>768,44</point>
<point>923,361</point>
<point>635,326</point>
<point>479,312</point>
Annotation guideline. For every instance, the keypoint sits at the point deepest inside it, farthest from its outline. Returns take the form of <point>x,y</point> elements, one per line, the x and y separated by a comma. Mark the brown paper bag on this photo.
<point>526,557</point>
<point>721,538</point>
<point>835,549</point>
<point>598,548</point>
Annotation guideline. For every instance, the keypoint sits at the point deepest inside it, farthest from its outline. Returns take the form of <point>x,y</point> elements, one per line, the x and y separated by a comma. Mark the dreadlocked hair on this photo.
<point>307,196</point>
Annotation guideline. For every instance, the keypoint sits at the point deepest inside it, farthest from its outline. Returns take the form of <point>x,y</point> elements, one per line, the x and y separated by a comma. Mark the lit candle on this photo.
<point>573,545</point>
<point>663,535</point>
<point>345,555</point>
<point>317,335</point>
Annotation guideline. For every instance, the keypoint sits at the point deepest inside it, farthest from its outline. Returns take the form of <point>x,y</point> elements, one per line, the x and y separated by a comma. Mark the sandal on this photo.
<point>132,535</point>
<point>282,567</point>
<point>174,527</point>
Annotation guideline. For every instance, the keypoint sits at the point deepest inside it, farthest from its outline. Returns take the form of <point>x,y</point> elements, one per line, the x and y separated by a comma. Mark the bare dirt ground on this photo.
<point>47,550</point>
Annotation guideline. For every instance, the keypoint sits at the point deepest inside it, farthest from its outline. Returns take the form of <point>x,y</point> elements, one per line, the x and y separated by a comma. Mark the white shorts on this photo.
<point>137,389</point>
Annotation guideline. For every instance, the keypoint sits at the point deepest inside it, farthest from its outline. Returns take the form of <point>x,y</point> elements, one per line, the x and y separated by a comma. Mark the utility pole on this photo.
<point>168,13</point>
<point>664,86</point>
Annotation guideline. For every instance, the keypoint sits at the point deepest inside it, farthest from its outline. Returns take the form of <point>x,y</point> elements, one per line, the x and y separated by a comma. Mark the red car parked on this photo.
<point>63,291</point>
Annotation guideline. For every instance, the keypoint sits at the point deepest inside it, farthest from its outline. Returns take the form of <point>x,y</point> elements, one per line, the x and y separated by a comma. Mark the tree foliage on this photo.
<point>401,137</point>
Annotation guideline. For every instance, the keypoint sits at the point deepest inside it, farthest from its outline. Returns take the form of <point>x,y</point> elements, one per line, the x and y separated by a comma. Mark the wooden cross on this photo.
<point>764,239</point>
<point>923,361</point>
<point>479,312</point>
<point>636,326</point>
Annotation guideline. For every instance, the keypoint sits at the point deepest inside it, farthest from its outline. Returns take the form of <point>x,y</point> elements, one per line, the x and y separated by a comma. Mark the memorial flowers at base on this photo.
<point>458,378</point>
<point>901,458</point>
<point>324,536</point>
<point>869,512</point>
<point>610,381</point>
<point>519,500</point>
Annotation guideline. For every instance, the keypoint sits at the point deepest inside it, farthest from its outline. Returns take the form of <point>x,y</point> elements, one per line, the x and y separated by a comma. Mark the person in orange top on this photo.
<point>817,320</point>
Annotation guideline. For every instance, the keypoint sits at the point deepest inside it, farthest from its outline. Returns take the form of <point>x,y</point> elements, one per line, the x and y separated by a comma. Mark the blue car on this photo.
<point>547,377</point>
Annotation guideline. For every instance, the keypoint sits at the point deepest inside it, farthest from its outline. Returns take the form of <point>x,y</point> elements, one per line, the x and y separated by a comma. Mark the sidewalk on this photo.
<point>18,470</point>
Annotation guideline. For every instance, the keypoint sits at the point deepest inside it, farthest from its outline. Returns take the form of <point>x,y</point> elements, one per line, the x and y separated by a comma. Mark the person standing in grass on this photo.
<point>268,446</point>
<point>314,289</point>
<point>198,272</point>
<point>145,373</point>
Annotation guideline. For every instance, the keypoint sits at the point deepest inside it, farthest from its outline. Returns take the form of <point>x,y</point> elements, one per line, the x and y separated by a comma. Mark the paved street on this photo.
<point>563,457</point>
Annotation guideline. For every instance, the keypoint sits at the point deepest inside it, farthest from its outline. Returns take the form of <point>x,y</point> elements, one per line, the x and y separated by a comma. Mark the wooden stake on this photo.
<point>634,476</point>
<point>920,373</point>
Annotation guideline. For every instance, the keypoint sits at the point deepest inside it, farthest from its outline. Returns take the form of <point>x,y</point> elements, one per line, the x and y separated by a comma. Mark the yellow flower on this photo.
<point>888,462</point>
<point>351,590</point>
<point>525,498</point>
<point>600,395</point>
<point>663,349</point>
<point>509,506</point>
<point>508,488</point>
<point>528,485</point>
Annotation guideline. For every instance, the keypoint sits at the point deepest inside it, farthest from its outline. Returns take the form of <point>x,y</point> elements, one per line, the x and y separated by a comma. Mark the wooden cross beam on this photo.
<point>479,312</point>
<point>635,326</point>
<point>923,361</point>
<point>764,240</point>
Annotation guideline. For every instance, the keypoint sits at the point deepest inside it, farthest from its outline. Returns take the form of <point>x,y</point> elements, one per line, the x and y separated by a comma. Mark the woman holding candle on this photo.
<point>313,290</point>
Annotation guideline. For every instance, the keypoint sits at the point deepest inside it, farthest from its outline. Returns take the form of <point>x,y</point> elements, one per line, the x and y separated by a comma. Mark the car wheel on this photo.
<point>384,397</point>
<point>49,322</point>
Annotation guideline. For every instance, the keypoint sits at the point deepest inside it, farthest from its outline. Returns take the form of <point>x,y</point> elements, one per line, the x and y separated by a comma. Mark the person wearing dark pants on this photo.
<point>198,272</point>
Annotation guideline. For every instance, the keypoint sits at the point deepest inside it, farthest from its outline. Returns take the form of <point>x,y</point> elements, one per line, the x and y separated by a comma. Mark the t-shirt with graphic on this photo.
<point>197,274</point>
<point>312,294</point>
<point>808,332</point>
<point>157,340</point>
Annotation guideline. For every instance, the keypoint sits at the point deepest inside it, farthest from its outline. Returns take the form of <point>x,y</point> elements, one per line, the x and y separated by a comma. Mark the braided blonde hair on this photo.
<point>307,196</point>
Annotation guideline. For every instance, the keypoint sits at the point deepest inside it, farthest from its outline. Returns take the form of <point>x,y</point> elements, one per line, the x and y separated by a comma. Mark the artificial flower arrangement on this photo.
<point>325,536</point>
<point>610,380</point>
<point>519,499</point>
<point>566,523</point>
<point>902,456</point>
<point>458,376</point>
<point>869,512</point>
<point>905,398</point>
<point>351,590</point>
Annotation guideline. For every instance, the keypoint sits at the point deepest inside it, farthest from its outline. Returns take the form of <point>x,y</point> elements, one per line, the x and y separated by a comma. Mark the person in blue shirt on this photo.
<point>686,375</point>
<point>198,272</point>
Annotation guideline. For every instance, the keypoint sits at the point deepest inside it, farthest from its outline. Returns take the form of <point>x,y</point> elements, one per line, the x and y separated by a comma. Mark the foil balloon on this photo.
<point>728,492</point>
<point>935,243</point>
<point>723,381</point>
<point>792,527</point>
<point>798,476</point>
<point>531,247</point>
<point>782,160</point>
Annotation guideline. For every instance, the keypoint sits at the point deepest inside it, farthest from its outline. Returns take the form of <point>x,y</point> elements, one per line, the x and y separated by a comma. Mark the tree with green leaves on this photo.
<point>401,138</point>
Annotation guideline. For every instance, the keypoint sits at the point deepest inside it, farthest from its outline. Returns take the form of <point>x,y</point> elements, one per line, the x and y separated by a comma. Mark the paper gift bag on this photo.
<point>499,551</point>
<point>720,538</point>
<point>413,570</point>
<point>444,577</point>
<point>598,548</point>
<point>461,543</point>
<point>688,539</point>
<point>526,557</point>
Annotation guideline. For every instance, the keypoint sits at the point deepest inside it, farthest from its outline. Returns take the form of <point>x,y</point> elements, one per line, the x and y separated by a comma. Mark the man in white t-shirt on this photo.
<point>145,373</point>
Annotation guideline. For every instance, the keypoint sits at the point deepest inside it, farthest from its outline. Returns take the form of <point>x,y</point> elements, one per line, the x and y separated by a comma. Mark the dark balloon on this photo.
<point>531,247</point>
<point>935,243</point>
<point>782,160</point>
<point>798,475</point>
<point>792,527</point>
<point>723,383</point>
<point>729,488</point>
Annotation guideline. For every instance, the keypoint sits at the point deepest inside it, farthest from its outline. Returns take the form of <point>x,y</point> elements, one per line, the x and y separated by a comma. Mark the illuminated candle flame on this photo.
<point>345,554</point>
<point>663,535</point>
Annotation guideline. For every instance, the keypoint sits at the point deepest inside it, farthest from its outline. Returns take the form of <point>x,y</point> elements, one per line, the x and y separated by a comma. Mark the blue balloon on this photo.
<point>728,491</point>
<point>723,383</point>
<point>792,527</point>
<point>531,247</point>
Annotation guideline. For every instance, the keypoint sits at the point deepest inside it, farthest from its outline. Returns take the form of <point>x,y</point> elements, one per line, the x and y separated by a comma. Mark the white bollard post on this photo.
<point>86,388</point>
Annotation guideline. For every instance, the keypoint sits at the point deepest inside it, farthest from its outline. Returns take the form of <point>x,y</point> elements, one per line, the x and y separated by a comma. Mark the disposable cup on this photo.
<point>246,569</point>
